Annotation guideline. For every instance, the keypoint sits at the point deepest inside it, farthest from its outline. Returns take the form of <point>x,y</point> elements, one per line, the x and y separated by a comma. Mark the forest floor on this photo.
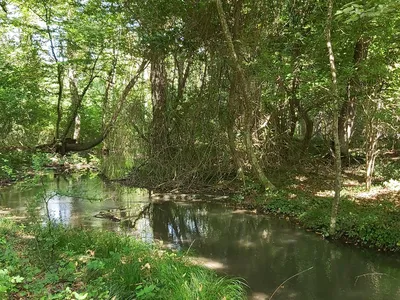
<point>318,180</point>
<point>367,218</point>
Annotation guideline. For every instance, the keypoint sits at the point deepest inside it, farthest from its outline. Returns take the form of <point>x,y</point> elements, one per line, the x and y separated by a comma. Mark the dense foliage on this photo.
<point>189,92</point>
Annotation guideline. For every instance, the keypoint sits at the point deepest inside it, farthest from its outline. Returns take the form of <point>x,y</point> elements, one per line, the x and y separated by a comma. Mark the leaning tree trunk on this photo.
<point>335,128</point>
<point>245,93</point>
<point>68,147</point>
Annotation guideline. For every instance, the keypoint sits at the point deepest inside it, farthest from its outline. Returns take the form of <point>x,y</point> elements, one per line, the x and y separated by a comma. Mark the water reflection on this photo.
<point>263,250</point>
<point>60,209</point>
<point>266,251</point>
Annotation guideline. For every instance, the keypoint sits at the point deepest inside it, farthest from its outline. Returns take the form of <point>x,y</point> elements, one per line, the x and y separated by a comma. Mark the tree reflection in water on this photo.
<point>265,251</point>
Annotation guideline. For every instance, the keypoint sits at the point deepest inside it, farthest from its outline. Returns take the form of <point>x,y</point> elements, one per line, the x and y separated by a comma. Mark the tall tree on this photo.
<point>247,101</point>
<point>335,127</point>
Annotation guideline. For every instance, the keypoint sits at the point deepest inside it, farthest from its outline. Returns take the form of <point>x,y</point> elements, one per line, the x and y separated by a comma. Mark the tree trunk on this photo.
<point>348,107</point>
<point>77,127</point>
<point>77,98</point>
<point>60,74</point>
<point>111,78</point>
<point>231,130</point>
<point>372,137</point>
<point>308,132</point>
<point>60,82</point>
<point>183,75</point>
<point>245,92</point>
<point>71,146</point>
<point>335,127</point>
<point>158,79</point>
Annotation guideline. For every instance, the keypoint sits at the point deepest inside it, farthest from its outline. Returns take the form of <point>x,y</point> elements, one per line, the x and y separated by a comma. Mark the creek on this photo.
<point>263,250</point>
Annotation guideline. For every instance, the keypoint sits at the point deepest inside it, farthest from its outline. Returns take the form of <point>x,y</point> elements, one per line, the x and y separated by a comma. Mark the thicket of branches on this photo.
<point>200,90</point>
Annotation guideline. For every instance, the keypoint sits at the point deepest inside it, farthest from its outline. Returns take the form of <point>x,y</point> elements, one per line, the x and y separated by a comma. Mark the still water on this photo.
<point>263,250</point>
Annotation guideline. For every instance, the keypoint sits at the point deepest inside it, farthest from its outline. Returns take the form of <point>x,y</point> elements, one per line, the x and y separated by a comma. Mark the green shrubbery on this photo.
<point>388,169</point>
<point>56,262</point>
<point>16,164</point>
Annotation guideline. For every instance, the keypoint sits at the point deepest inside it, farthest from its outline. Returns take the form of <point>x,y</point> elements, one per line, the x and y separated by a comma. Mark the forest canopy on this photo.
<point>201,90</point>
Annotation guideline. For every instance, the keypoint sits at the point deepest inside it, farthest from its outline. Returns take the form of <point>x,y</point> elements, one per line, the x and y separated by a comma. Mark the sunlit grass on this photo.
<point>101,265</point>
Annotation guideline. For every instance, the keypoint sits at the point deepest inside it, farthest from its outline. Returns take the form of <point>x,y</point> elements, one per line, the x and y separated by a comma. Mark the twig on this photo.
<point>370,274</point>
<point>191,244</point>
<point>288,280</point>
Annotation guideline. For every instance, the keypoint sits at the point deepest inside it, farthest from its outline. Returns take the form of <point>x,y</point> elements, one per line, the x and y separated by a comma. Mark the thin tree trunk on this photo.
<point>111,78</point>
<point>59,98</point>
<point>348,107</point>
<point>308,132</point>
<point>373,134</point>
<point>158,79</point>
<point>183,75</point>
<point>335,129</point>
<point>244,89</point>
<point>231,128</point>
<point>73,88</point>
<point>78,98</point>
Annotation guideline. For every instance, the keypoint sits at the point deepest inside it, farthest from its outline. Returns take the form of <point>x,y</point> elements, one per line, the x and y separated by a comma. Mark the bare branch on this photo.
<point>295,275</point>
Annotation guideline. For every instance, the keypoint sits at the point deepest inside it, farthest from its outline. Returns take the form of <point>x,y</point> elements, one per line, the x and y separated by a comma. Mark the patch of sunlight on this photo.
<point>8,216</point>
<point>326,193</point>
<point>4,212</point>
<point>392,185</point>
<point>244,211</point>
<point>350,182</point>
<point>265,234</point>
<point>208,263</point>
<point>27,237</point>
<point>288,241</point>
<point>301,178</point>
<point>263,296</point>
<point>372,193</point>
<point>258,296</point>
<point>221,197</point>
<point>173,196</point>
<point>389,190</point>
<point>246,244</point>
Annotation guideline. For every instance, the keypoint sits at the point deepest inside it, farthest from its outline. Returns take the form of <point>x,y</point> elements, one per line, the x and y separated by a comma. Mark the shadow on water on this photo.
<point>263,250</point>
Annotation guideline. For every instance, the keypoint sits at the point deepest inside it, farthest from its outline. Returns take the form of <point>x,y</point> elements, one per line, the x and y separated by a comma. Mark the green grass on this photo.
<point>375,225</point>
<point>56,262</point>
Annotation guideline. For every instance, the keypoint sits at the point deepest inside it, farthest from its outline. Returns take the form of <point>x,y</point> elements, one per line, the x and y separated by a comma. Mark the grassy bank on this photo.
<point>370,224</point>
<point>56,262</point>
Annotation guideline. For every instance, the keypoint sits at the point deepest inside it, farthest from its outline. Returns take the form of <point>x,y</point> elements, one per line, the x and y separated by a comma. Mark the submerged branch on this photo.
<point>295,275</point>
<point>371,274</point>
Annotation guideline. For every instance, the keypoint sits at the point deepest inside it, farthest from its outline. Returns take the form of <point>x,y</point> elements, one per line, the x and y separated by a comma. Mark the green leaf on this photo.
<point>80,296</point>
<point>17,279</point>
